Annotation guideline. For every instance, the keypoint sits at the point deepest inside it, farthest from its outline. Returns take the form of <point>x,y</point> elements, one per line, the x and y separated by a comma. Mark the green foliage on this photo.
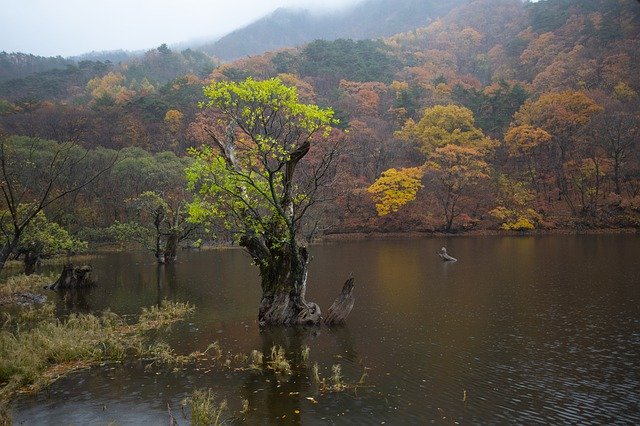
<point>494,106</point>
<point>362,60</point>
<point>128,232</point>
<point>45,238</point>
<point>250,182</point>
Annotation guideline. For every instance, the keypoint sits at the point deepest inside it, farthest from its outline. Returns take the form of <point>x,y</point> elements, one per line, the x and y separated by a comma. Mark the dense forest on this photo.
<point>519,120</point>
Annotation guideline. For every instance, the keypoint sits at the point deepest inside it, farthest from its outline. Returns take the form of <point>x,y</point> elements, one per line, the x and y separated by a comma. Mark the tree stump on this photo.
<point>73,277</point>
<point>342,306</point>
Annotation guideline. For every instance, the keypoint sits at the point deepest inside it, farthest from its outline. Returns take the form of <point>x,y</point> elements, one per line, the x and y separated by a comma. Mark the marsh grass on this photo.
<point>36,348</point>
<point>279,363</point>
<point>24,283</point>
<point>5,415</point>
<point>205,410</point>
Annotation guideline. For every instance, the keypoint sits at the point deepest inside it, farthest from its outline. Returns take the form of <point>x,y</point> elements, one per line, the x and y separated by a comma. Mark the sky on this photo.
<point>73,27</point>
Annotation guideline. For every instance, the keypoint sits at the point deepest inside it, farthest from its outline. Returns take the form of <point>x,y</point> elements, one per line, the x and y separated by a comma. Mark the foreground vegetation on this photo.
<point>37,348</point>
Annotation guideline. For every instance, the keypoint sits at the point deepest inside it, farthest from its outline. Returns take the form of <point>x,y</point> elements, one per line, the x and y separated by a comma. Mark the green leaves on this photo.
<point>248,182</point>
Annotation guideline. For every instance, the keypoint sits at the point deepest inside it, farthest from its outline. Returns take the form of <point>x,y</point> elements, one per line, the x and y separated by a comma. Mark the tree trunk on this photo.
<point>283,272</point>
<point>73,277</point>
<point>8,248</point>
<point>31,261</point>
<point>5,251</point>
<point>171,247</point>
<point>342,306</point>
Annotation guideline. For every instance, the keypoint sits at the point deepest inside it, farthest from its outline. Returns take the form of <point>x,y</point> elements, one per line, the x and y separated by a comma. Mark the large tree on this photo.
<point>257,180</point>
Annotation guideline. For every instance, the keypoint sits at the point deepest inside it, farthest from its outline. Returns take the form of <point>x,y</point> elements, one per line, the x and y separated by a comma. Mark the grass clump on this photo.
<point>36,348</point>
<point>205,410</point>
<point>278,362</point>
<point>257,359</point>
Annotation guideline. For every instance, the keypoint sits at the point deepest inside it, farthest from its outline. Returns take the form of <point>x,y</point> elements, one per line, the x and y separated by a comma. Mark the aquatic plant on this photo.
<point>336,378</point>
<point>205,410</point>
<point>278,362</point>
<point>315,373</point>
<point>256,358</point>
<point>305,354</point>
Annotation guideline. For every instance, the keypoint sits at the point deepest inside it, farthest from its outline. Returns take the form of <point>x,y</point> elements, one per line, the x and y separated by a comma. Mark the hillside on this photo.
<point>542,99</point>
<point>291,27</point>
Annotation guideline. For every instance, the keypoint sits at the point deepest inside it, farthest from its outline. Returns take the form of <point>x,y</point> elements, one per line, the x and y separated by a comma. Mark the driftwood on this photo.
<point>342,306</point>
<point>73,277</point>
<point>445,256</point>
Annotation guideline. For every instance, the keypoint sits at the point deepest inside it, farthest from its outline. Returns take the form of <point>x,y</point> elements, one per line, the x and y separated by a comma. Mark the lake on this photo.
<point>520,330</point>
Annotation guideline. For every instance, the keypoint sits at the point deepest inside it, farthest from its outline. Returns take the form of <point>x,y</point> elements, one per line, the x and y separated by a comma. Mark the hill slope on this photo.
<point>368,19</point>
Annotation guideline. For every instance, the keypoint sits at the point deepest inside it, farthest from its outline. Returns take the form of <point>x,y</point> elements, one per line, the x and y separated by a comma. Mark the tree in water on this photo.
<point>42,239</point>
<point>164,224</point>
<point>256,182</point>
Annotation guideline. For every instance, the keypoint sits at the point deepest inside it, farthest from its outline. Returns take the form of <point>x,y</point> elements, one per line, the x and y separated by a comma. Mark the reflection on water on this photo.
<point>519,330</point>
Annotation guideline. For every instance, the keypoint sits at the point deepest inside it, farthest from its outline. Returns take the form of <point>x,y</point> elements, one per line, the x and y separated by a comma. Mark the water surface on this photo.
<point>519,330</point>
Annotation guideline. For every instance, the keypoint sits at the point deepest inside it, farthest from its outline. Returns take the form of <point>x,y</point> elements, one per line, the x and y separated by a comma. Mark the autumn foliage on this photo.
<point>520,119</point>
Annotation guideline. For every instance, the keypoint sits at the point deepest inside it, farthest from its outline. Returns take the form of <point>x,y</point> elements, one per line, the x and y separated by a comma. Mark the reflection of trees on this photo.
<point>165,282</point>
<point>344,340</point>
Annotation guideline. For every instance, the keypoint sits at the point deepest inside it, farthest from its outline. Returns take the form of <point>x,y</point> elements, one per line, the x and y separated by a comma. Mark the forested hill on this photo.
<point>534,108</point>
<point>292,27</point>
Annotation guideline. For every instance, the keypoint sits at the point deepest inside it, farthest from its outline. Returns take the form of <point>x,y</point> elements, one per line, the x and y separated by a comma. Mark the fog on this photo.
<point>73,27</point>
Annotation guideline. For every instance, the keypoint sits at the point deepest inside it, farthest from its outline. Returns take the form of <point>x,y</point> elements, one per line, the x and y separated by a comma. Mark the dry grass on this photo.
<point>24,283</point>
<point>36,348</point>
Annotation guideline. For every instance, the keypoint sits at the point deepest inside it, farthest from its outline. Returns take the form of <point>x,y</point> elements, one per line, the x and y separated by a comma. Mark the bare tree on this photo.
<point>36,174</point>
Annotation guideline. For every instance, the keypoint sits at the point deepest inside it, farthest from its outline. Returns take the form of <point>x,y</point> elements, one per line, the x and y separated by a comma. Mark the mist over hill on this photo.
<point>292,27</point>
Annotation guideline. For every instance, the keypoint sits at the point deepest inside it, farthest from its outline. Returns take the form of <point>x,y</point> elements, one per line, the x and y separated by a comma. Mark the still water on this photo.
<point>519,330</point>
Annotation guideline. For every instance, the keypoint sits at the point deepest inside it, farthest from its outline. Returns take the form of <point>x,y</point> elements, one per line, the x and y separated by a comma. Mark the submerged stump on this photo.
<point>342,306</point>
<point>73,277</point>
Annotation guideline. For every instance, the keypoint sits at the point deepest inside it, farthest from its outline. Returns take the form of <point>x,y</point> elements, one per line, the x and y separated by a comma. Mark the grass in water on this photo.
<point>36,348</point>
<point>205,410</point>
<point>278,362</point>
<point>256,360</point>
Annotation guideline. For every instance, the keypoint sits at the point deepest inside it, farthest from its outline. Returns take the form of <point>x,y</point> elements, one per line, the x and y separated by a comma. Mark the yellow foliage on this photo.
<point>624,92</point>
<point>522,140</point>
<point>111,85</point>
<point>443,125</point>
<point>173,119</point>
<point>395,188</point>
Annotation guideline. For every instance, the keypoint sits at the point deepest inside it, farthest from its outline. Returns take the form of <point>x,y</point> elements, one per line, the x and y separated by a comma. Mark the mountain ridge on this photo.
<point>286,27</point>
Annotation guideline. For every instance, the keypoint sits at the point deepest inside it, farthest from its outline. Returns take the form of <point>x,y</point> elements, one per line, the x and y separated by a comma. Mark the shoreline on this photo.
<point>359,236</point>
